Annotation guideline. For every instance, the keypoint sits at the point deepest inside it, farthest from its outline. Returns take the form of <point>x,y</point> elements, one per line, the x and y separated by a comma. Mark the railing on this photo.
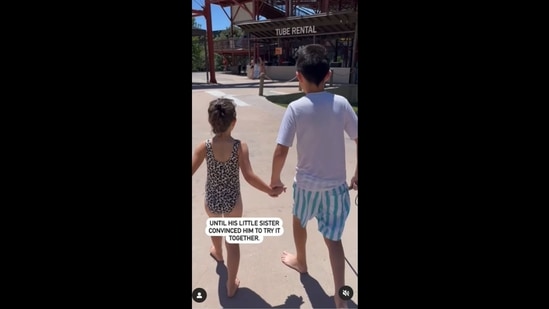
<point>223,44</point>
<point>307,9</point>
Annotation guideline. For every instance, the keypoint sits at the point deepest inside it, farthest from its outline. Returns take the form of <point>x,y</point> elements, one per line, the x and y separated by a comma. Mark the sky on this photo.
<point>220,21</point>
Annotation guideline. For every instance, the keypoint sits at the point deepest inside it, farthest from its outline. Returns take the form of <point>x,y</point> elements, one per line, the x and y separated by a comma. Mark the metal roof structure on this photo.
<point>327,23</point>
<point>266,16</point>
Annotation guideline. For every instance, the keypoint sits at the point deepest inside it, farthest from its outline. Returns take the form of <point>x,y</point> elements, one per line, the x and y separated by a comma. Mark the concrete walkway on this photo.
<point>264,281</point>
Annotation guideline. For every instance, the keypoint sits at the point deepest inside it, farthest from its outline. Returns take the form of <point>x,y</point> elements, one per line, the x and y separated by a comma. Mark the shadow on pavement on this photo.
<point>247,298</point>
<point>317,295</point>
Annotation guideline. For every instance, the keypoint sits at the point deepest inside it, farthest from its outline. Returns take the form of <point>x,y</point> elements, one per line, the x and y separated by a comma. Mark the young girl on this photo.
<point>225,158</point>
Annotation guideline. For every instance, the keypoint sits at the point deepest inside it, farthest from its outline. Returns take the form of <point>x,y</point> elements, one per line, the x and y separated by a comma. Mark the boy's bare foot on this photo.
<point>232,288</point>
<point>341,304</point>
<point>290,260</point>
<point>216,256</point>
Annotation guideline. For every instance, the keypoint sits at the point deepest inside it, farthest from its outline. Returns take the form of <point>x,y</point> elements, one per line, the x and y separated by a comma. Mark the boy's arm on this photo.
<point>248,173</point>
<point>354,179</point>
<point>198,156</point>
<point>279,158</point>
<point>351,127</point>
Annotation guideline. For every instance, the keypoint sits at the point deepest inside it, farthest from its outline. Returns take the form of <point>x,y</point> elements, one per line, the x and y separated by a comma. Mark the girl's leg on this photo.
<point>216,251</point>
<point>233,255</point>
<point>233,262</point>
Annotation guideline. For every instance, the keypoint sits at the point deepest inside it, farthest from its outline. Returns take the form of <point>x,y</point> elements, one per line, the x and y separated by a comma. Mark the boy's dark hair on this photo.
<point>312,63</point>
<point>221,114</point>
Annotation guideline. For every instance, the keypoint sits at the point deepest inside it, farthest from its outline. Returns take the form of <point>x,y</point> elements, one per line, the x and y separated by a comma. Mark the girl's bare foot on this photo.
<point>217,256</point>
<point>232,288</point>
<point>290,260</point>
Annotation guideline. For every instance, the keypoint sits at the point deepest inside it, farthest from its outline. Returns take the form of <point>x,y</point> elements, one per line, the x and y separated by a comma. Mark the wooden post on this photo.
<point>261,82</point>
<point>355,53</point>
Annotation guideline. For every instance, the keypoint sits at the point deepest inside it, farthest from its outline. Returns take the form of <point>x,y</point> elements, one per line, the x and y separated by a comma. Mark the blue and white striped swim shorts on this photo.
<point>329,207</point>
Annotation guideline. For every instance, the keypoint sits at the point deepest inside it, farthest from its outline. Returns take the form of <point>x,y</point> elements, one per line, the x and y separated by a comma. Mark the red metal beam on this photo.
<point>209,36</point>
<point>197,12</point>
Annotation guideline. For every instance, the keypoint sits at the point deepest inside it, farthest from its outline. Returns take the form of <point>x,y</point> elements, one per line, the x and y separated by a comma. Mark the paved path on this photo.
<point>265,281</point>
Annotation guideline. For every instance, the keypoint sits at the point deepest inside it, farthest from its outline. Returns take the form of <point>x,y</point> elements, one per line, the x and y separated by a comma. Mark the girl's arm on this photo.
<point>248,173</point>
<point>198,156</point>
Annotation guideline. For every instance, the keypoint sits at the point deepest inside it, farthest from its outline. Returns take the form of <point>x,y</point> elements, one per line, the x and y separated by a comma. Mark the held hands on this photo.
<point>277,188</point>
<point>275,192</point>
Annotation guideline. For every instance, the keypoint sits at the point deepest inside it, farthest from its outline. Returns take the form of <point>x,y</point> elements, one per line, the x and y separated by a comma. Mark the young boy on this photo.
<point>318,120</point>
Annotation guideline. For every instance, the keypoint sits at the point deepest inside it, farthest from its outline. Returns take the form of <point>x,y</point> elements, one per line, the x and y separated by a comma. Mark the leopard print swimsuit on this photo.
<point>223,180</point>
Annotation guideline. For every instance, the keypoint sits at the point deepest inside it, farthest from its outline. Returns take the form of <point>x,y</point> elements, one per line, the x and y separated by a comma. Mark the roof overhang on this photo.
<point>325,23</point>
<point>225,3</point>
<point>199,32</point>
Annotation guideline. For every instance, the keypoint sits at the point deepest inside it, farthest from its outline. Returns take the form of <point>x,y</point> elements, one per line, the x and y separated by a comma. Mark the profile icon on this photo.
<point>199,295</point>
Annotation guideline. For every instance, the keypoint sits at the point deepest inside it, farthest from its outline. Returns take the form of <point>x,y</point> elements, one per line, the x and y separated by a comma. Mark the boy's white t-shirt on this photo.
<point>319,122</point>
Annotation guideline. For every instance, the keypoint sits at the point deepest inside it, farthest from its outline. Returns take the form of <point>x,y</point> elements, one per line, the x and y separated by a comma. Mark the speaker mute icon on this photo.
<point>345,292</point>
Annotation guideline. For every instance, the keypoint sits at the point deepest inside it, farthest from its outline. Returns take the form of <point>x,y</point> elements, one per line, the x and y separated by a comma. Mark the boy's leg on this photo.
<point>336,205</point>
<point>305,207</point>
<point>299,260</point>
<point>337,261</point>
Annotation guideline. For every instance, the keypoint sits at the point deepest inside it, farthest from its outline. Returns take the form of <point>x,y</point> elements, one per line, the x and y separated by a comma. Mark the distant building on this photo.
<point>275,29</point>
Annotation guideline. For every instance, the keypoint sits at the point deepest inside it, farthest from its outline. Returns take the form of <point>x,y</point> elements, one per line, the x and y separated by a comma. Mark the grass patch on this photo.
<point>285,99</point>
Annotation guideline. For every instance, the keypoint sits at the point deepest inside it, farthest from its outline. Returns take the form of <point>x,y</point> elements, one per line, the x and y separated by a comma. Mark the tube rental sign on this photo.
<point>295,30</point>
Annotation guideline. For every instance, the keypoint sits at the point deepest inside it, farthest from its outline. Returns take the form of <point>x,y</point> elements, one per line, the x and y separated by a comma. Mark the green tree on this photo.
<point>237,33</point>
<point>198,56</point>
<point>226,34</point>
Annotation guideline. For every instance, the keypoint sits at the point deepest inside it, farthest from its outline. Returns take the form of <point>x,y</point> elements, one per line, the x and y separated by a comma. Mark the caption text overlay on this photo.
<point>244,230</point>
